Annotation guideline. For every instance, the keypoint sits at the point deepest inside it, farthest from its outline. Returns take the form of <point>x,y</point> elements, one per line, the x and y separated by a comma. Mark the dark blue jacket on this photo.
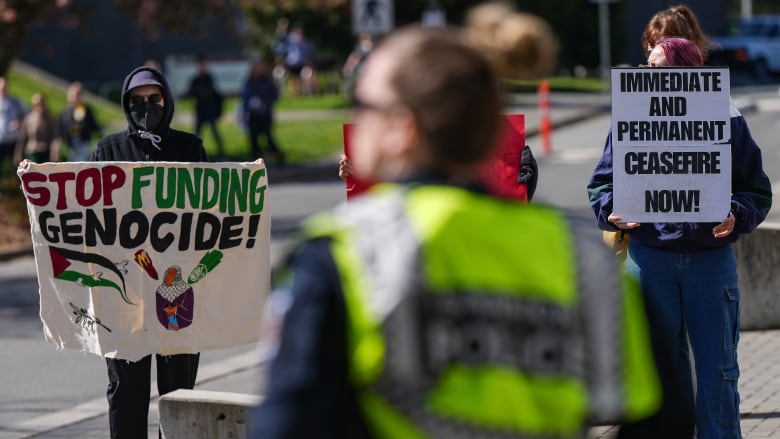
<point>259,96</point>
<point>751,198</point>
<point>310,394</point>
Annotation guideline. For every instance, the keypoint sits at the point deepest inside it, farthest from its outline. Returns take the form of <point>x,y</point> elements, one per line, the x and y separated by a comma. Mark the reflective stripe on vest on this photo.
<point>461,330</point>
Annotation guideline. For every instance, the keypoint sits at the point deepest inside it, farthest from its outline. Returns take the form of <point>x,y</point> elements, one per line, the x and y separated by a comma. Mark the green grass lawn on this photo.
<point>301,140</point>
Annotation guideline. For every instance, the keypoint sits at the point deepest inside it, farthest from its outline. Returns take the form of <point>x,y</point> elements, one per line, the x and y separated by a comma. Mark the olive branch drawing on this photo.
<point>87,321</point>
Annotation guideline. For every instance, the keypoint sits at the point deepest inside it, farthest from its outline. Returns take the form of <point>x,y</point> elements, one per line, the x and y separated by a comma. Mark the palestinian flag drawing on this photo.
<point>61,260</point>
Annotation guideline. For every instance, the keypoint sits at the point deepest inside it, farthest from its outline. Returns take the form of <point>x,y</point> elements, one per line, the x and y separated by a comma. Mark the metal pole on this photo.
<point>604,54</point>
<point>747,8</point>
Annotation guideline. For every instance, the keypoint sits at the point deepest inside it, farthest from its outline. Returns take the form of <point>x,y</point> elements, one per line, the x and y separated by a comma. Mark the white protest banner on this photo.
<point>671,135</point>
<point>149,257</point>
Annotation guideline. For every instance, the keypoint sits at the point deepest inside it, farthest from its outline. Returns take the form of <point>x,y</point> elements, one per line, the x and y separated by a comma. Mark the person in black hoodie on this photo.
<point>148,105</point>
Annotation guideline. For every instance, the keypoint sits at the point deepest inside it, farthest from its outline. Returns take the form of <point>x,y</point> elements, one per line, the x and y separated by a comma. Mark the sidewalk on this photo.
<point>759,387</point>
<point>759,356</point>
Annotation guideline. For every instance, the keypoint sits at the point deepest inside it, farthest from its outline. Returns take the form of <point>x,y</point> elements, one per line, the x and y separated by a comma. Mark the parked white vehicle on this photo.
<point>753,45</point>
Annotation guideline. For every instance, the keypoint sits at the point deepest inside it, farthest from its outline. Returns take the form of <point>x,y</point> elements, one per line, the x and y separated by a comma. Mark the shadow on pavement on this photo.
<point>18,292</point>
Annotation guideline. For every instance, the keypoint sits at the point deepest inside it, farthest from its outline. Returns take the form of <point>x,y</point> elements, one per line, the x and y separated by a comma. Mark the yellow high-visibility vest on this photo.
<point>471,316</point>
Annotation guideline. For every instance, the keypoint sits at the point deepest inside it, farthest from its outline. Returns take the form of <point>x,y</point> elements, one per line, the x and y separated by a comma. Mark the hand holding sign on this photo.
<point>345,167</point>
<point>725,228</point>
<point>618,222</point>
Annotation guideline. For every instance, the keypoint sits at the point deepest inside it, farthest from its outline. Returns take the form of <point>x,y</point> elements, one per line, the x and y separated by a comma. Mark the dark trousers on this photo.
<point>200,122</point>
<point>675,418</point>
<point>260,125</point>
<point>7,150</point>
<point>129,386</point>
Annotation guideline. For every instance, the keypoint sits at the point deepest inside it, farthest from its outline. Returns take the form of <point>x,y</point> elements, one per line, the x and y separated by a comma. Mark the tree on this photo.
<point>325,22</point>
<point>156,16</point>
<point>18,17</point>
<point>328,24</point>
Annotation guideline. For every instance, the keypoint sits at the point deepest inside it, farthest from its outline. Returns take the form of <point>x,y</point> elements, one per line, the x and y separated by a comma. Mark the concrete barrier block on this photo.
<point>758,256</point>
<point>203,414</point>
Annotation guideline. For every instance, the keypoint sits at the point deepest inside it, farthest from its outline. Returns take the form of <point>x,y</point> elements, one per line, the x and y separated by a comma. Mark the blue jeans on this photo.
<point>696,295</point>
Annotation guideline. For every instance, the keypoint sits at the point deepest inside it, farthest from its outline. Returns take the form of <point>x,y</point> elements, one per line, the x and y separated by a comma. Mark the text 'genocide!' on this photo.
<point>216,208</point>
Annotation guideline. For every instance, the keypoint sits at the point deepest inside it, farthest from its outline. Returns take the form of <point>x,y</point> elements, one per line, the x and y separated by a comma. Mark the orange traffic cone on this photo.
<point>545,124</point>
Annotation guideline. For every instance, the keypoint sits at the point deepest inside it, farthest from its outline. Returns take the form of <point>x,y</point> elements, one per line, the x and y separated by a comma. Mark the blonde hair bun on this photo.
<point>518,45</point>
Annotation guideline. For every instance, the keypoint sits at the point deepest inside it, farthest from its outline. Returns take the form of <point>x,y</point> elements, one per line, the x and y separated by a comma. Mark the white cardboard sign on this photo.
<point>671,137</point>
<point>149,257</point>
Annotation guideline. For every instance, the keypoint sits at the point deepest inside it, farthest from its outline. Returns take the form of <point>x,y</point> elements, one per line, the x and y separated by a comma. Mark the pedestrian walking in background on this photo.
<point>12,113</point>
<point>299,61</point>
<point>148,105</point>
<point>258,98</point>
<point>39,135</point>
<point>78,125</point>
<point>689,276</point>
<point>279,44</point>
<point>279,49</point>
<point>429,308</point>
<point>208,103</point>
<point>355,60</point>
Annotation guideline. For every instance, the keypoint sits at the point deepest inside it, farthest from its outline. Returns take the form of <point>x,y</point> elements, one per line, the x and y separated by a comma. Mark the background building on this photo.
<point>107,44</point>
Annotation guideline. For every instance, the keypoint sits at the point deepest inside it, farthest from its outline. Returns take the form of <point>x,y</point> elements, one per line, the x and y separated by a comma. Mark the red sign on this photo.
<point>499,174</point>
<point>354,185</point>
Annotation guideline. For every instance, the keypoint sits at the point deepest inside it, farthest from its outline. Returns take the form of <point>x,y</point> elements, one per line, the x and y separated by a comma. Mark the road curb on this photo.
<point>16,252</point>
<point>321,171</point>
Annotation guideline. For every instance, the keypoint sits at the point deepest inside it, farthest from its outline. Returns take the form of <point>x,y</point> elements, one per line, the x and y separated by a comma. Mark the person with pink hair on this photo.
<point>688,274</point>
<point>675,52</point>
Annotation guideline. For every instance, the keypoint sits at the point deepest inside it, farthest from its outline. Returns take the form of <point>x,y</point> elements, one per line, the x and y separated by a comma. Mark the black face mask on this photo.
<point>147,116</point>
